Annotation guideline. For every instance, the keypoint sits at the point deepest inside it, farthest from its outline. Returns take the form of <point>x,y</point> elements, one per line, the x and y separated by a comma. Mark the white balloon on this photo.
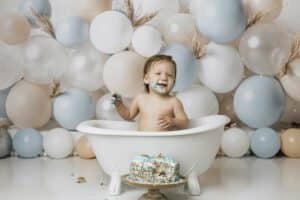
<point>10,65</point>
<point>146,41</point>
<point>235,142</point>
<point>44,59</point>
<point>199,101</point>
<point>85,69</point>
<point>221,68</point>
<point>294,66</point>
<point>58,143</point>
<point>111,32</point>
<point>106,110</point>
<point>123,74</point>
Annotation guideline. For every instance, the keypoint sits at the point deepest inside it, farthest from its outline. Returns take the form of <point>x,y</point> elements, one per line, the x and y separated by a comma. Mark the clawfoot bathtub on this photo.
<point>116,143</point>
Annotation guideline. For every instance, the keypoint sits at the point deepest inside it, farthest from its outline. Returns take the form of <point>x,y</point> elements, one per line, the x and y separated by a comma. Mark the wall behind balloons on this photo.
<point>288,20</point>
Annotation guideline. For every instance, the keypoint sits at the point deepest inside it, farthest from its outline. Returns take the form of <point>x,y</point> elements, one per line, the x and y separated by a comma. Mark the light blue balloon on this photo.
<point>186,65</point>
<point>265,142</point>
<point>220,20</point>
<point>3,97</point>
<point>42,7</point>
<point>5,143</point>
<point>28,143</point>
<point>72,108</point>
<point>259,101</point>
<point>72,32</point>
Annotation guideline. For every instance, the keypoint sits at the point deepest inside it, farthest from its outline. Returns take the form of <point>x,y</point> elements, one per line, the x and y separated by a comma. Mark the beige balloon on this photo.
<point>28,105</point>
<point>180,28</point>
<point>88,9</point>
<point>123,74</point>
<point>290,143</point>
<point>291,85</point>
<point>84,149</point>
<point>14,28</point>
<point>271,8</point>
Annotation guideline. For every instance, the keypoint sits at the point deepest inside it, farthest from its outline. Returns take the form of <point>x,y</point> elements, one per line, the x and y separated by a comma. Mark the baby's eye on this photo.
<point>157,73</point>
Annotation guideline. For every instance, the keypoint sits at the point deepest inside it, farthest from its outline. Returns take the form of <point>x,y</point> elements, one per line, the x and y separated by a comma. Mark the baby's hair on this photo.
<point>154,59</point>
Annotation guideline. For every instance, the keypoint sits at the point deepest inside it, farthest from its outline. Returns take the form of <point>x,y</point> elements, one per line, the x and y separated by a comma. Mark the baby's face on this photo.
<point>161,77</point>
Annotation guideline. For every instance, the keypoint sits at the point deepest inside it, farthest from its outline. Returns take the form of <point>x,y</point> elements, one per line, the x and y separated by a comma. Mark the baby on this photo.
<point>159,111</point>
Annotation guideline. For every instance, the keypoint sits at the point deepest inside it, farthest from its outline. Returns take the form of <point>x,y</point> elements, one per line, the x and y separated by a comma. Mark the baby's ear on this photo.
<point>146,79</point>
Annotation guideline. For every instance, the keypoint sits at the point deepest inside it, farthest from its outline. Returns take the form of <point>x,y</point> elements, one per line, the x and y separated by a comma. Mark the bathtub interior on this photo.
<point>109,127</point>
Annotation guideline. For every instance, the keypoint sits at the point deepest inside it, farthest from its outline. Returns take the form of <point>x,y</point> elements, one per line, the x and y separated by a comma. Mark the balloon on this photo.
<point>41,7</point>
<point>85,69</point>
<point>3,97</point>
<point>14,29</point>
<point>44,60</point>
<point>185,65</point>
<point>123,74</point>
<point>235,142</point>
<point>28,143</point>
<point>289,17</point>
<point>265,142</point>
<point>291,85</point>
<point>73,107</point>
<point>223,60</point>
<point>10,65</point>
<point>226,107</point>
<point>84,149</point>
<point>269,8</point>
<point>146,47</point>
<point>294,67</point>
<point>110,37</point>
<point>72,32</point>
<point>162,8</point>
<point>259,51</point>
<point>5,143</point>
<point>106,110</point>
<point>88,9</point>
<point>291,112</point>
<point>58,143</point>
<point>259,101</point>
<point>227,17</point>
<point>28,105</point>
<point>180,28</point>
<point>198,101</point>
<point>290,141</point>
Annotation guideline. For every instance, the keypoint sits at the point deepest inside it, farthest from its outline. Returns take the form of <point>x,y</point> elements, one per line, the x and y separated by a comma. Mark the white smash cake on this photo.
<point>154,169</point>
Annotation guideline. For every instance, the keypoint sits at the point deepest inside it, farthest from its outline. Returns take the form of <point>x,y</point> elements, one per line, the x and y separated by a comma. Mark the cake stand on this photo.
<point>153,189</point>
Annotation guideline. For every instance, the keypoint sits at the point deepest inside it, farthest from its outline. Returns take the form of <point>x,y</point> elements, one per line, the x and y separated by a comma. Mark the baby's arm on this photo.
<point>127,113</point>
<point>180,119</point>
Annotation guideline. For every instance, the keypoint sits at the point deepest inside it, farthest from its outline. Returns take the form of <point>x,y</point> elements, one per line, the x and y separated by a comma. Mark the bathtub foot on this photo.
<point>115,185</point>
<point>193,184</point>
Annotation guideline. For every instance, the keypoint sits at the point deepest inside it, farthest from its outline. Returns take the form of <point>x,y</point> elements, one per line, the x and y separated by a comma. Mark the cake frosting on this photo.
<point>154,169</point>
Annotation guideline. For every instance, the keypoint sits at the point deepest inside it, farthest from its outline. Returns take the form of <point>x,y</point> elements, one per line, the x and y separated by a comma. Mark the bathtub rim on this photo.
<point>85,127</point>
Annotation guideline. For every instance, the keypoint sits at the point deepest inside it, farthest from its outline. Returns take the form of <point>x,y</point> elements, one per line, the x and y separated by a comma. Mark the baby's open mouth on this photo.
<point>162,84</point>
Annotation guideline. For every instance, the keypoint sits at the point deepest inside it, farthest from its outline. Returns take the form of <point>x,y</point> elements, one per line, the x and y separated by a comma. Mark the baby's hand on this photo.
<point>165,122</point>
<point>116,99</point>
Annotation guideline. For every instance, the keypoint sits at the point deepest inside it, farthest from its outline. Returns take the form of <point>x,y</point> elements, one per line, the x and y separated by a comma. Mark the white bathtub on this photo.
<point>116,143</point>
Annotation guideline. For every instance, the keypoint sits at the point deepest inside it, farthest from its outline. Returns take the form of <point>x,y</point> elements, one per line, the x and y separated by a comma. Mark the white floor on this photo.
<point>247,178</point>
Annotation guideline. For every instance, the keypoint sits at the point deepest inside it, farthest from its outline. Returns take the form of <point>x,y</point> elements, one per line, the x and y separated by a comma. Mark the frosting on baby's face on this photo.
<point>161,77</point>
